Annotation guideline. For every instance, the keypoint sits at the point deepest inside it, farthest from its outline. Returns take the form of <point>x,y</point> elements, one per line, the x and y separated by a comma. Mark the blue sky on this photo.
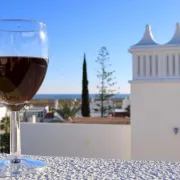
<point>76,27</point>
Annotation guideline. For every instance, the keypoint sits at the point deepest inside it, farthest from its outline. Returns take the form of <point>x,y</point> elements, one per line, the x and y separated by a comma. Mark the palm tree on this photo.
<point>5,124</point>
<point>68,109</point>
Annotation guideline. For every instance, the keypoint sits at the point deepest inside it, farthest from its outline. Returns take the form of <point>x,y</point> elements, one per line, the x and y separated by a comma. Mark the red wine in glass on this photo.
<point>20,79</point>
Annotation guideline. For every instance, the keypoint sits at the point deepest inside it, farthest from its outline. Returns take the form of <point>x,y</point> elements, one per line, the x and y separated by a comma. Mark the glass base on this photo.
<point>20,166</point>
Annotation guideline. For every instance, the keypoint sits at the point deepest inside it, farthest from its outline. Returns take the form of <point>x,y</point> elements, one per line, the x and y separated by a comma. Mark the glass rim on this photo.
<point>21,20</point>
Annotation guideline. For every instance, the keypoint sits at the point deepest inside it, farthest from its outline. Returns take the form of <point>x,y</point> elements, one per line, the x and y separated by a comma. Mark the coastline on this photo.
<point>49,99</point>
<point>72,96</point>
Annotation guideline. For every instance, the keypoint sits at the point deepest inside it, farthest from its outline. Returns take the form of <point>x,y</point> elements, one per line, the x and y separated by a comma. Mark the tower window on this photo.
<point>173,65</point>
<point>150,65</point>
<point>167,65</point>
<point>156,65</point>
<point>138,66</point>
<point>144,66</point>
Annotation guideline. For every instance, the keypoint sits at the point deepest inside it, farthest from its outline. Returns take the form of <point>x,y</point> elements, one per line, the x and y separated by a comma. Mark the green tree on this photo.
<point>85,111</point>
<point>106,78</point>
<point>68,109</point>
<point>5,138</point>
<point>5,124</point>
<point>5,143</point>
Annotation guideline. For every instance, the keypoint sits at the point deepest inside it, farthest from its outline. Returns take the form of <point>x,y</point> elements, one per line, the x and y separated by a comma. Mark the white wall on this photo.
<point>155,111</point>
<point>80,140</point>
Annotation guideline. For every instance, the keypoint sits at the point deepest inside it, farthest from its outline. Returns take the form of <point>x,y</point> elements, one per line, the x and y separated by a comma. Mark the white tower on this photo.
<point>56,104</point>
<point>155,98</point>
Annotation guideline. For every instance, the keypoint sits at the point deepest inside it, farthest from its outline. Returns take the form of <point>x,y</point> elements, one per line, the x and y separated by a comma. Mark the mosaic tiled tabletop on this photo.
<point>66,168</point>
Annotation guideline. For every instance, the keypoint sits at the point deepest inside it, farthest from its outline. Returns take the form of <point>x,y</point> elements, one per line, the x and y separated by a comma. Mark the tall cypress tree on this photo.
<point>85,93</point>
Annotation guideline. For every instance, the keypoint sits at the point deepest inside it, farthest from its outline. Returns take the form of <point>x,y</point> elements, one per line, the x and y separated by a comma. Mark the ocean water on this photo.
<point>72,96</point>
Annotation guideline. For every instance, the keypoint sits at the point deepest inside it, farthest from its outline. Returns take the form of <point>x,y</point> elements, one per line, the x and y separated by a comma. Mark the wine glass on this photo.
<point>23,65</point>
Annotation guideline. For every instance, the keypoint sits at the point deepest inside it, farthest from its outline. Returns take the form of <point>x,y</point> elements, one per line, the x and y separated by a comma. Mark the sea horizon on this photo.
<point>73,96</point>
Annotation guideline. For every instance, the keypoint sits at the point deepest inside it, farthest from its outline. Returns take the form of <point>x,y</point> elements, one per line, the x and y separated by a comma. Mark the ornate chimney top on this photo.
<point>147,39</point>
<point>176,38</point>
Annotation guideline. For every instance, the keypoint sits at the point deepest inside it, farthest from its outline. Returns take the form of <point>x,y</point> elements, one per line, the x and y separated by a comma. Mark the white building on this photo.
<point>30,114</point>
<point>126,102</point>
<point>155,98</point>
<point>95,107</point>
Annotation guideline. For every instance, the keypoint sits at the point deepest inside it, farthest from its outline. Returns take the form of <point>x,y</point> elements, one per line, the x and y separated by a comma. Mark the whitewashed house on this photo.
<point>155,98</point>
<point>95,107</point>
<point>126,102</point>
<point>30,114</point>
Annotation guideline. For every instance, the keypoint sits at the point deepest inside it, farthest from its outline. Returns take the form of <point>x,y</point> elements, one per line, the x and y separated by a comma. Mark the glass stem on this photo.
<point>15,136</point>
